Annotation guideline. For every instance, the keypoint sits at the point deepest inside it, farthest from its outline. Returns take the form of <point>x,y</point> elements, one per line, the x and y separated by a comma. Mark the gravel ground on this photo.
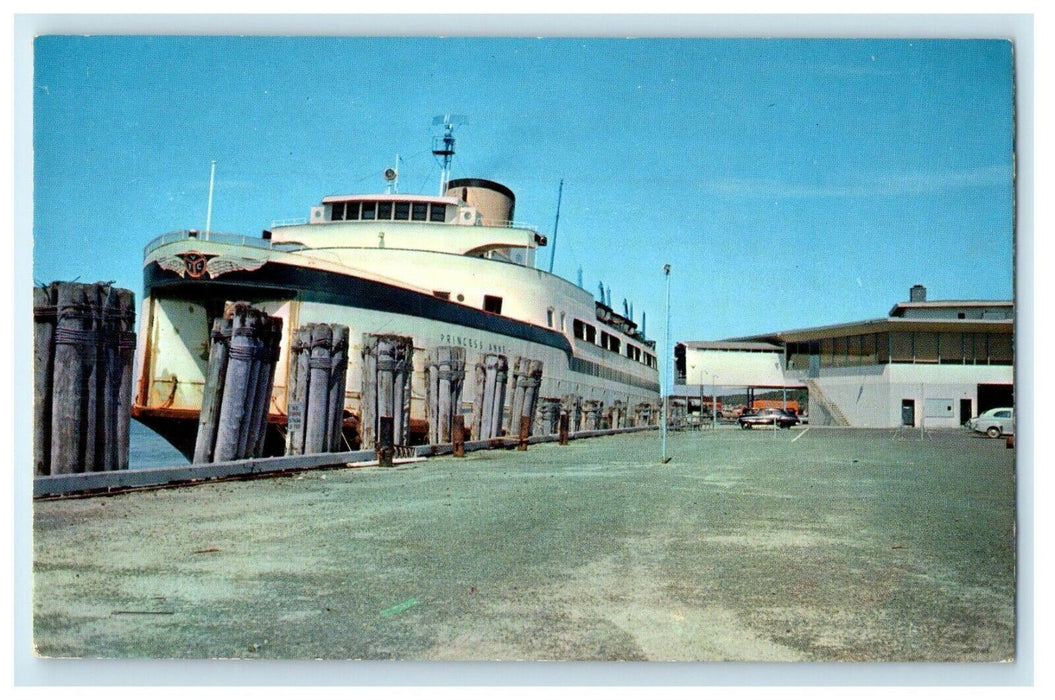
<point>818,545</point>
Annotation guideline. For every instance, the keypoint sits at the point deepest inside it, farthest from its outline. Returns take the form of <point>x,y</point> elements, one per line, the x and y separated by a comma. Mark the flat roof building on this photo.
<point>935,363</point>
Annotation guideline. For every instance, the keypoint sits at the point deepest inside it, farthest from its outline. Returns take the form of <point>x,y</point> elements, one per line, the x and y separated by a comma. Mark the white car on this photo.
<point>994,422</point>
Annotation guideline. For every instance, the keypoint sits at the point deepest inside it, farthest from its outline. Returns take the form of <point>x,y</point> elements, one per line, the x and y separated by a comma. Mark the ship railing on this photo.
<point>231,238</point>
<point>277,223</point>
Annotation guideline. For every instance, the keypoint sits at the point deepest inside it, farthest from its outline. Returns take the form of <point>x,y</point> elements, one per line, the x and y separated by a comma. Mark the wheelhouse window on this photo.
<point>369,211</point>
<point>492,304</point>
<point>384,210</point>
<point>438,213</point>
<point>402,211</point>
<point>420,211</point>
<point>337,211</point>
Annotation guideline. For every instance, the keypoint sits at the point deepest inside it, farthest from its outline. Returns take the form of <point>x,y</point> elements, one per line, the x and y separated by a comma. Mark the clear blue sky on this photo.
<point>789,183</point>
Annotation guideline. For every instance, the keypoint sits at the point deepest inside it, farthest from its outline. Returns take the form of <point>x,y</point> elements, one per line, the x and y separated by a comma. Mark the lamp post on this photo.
<point>714,402</point>
<point>666,350</point>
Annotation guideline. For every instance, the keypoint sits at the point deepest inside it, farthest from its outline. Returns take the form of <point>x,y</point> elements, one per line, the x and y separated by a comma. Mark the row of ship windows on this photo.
<point>388,211</point>
<point>588,332</point>
<point>583,330</point>
<point>582,366</point>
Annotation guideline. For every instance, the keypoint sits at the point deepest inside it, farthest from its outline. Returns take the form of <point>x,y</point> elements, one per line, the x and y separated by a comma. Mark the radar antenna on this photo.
<point>443,147</point>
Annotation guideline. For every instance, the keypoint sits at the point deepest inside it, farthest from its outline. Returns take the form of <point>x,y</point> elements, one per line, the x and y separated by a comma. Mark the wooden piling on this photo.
<point>517,384</point>
<point>338,383</point>
<point>445,378</point>
<point>571,405</point>
<point>387,372</point>
<point>297,390</point>
<point>563,429</point>
<point>548,413</point>
<point>317,424</point>
<point>126,350</point>
<point>236,384</point>
<point>403,372</point>
<point>44,317</point>
<point>90,358</point>
<point>479,392</point>
<point>68,382</point>
<point>212,393</point>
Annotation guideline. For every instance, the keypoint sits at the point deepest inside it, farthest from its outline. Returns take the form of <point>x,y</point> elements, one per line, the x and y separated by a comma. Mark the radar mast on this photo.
<point>444,147</point>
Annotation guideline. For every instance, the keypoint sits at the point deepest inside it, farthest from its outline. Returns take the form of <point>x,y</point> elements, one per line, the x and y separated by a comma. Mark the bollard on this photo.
<point>563,434</point>
<point>458,436</point>
<point>525,432</point>
<point>385,449</point>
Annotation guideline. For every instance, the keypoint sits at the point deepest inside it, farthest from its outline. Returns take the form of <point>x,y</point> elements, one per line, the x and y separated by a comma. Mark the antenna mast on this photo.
<point>208,215</point>
<point>553,250</point>
<point>444,148</point>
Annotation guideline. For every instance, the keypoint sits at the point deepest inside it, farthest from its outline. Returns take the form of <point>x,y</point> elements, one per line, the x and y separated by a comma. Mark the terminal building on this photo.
<point>927,363</point>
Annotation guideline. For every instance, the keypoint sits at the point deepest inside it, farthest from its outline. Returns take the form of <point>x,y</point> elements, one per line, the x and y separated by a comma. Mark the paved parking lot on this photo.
<point>791,545</point>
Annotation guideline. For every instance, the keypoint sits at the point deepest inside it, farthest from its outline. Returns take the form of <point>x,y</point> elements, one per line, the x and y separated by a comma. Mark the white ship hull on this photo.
<point>393,289</point>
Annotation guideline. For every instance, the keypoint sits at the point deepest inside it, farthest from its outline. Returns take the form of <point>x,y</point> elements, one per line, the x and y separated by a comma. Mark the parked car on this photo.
<point>994,422</point>
<point>768,416</point>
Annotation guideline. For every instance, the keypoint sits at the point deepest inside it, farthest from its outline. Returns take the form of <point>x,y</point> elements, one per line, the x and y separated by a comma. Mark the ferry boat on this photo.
<point>448,269</point>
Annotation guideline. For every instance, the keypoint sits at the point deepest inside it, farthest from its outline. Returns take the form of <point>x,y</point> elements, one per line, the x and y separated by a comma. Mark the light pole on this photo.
<point>666,351</point>
<point>714,402</point>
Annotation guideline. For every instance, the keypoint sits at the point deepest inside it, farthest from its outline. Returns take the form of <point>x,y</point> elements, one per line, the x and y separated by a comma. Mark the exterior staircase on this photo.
<point>829,406</point>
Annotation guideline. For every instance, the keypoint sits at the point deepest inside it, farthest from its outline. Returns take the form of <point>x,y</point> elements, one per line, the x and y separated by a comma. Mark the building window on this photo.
<point>492,304</point>
<point>900,346</point>
<point>999,349</point>
<point>950,346</point>
<point>926,347</point>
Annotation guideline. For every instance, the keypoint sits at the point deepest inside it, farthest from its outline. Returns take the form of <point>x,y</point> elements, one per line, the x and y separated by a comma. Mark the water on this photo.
<point>147,449</point>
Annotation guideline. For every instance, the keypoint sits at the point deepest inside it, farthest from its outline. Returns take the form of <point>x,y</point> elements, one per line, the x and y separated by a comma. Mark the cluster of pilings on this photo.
<point>238,383</point>
<point>444,383</point>
<point>489,396</point>
<point>388,365</point>
<point>83,351</point>
<point>318,373</point>
<point>526,380</point>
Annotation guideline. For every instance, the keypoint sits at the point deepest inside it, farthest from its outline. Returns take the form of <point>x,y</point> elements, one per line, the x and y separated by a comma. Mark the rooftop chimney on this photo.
<point>917,293</point>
